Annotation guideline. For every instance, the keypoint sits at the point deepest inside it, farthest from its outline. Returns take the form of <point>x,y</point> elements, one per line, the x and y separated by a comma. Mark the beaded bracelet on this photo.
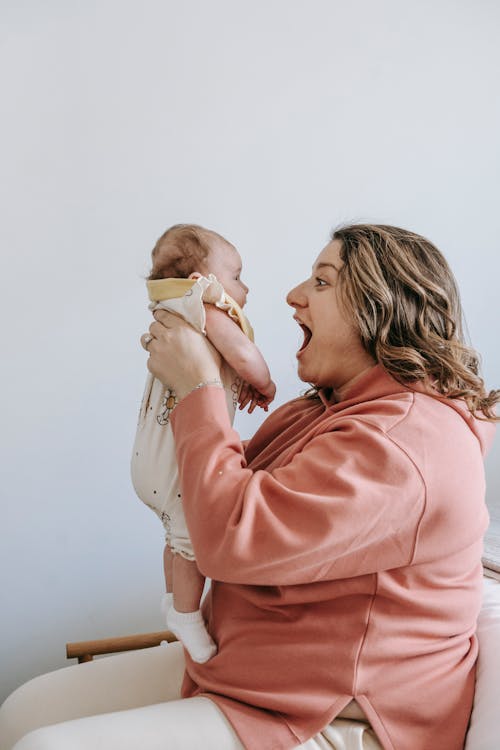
<point>215,381</point>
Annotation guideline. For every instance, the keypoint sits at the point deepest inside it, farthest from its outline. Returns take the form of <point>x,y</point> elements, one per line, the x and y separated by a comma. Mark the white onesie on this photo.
<point>154,467</point>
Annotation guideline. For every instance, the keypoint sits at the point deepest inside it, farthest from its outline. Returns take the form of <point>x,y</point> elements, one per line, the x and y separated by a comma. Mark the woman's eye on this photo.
<point>320,282</point>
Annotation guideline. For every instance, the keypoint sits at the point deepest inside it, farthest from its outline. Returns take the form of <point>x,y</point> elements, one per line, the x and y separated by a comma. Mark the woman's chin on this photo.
<point>302,372</point>
<point>301,354</point>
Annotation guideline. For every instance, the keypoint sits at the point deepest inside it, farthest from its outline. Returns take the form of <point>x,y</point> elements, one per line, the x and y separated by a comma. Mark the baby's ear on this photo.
<point>194,275</point>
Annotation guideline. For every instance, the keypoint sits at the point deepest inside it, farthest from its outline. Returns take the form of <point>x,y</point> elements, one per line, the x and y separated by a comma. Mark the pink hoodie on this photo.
<point>344,545</point>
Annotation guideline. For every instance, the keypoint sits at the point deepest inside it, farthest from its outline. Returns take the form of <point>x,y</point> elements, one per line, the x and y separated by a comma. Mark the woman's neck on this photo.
<point>339,392</point>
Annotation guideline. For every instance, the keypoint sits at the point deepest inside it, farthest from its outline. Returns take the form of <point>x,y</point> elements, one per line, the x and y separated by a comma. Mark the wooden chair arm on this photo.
<point>86,650</point>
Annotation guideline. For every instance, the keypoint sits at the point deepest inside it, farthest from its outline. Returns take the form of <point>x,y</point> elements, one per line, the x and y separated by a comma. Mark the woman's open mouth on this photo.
<point>307,337</point>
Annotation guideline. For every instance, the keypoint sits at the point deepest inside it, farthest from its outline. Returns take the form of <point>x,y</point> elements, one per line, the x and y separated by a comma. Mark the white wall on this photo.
<point>269,122</point>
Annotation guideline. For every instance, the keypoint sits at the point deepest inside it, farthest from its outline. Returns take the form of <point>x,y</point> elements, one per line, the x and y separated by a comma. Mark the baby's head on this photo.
<point>187,251</point>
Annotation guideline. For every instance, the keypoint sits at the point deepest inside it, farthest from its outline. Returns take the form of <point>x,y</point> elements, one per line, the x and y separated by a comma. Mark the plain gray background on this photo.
<point>269,122</point>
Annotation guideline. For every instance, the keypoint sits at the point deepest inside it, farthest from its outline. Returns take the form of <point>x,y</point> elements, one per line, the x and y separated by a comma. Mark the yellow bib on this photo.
<point>163,289</point>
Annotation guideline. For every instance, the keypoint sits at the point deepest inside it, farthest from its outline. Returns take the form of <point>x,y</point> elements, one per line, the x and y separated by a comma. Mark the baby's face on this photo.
<point>225,263</point>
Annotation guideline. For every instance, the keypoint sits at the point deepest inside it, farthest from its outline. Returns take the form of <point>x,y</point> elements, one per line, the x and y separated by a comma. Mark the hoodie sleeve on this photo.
<point>348,503</point>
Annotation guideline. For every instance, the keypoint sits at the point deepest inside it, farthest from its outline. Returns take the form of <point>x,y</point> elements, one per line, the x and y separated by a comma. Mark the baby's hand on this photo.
<point>268,393</point>
<point>250,395</point>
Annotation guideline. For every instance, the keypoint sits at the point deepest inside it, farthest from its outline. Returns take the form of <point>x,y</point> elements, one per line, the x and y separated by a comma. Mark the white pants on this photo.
<point>131,701</point>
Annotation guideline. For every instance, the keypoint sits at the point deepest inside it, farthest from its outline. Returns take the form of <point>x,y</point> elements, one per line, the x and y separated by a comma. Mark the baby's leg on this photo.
<point>168,568</point>
<point>185,618</point>
<point>188,584</point>
<point>167,599</point>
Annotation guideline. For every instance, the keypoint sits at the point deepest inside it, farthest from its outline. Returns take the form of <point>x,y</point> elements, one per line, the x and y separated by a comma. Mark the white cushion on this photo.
<point>484,730</point>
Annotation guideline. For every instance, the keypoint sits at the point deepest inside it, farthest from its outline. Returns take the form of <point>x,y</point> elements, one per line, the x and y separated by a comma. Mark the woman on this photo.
<point>344,541</point>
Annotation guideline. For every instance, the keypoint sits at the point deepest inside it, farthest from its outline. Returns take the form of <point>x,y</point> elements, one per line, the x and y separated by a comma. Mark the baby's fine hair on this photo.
<point>180,251</point>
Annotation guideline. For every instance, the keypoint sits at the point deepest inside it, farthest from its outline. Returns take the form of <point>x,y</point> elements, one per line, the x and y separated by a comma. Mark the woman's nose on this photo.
<point>296,296</point>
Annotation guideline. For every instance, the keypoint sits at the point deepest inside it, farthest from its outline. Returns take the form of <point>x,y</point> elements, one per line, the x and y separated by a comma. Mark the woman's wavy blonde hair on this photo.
<point>405,302</point>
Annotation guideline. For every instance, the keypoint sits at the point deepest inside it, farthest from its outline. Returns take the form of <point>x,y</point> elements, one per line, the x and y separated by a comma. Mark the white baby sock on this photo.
<point>167,601</point>
<point>190,629</point>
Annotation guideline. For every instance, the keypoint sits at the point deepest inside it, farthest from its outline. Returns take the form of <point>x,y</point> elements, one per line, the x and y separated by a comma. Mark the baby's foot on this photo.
<point>190,629</point>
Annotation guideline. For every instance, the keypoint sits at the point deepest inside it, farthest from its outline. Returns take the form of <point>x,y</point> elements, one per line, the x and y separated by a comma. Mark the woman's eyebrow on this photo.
<point>323,265</point>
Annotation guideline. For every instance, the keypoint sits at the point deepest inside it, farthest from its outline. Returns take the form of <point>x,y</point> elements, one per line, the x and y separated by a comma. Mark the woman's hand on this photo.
<point>179,356</point>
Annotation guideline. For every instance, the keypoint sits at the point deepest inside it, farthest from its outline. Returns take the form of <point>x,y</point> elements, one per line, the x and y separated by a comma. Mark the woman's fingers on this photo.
<point>165,323</point>
<point>146,339</point>
<point>159,330</point>
<point>179,356</point>
<point>156,331</point>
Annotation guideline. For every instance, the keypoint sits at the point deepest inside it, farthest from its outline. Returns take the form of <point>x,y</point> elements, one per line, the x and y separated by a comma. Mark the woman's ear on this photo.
<point>194,275</point>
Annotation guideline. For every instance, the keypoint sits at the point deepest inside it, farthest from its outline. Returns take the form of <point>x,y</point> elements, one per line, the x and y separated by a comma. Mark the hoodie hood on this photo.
<point>377,383</point>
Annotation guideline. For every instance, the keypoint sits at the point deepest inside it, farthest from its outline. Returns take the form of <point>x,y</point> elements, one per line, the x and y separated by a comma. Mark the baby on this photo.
<point>195,274</point>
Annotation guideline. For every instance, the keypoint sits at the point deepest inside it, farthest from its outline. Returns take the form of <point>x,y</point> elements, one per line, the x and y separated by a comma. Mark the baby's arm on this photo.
<point>239,352</point>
